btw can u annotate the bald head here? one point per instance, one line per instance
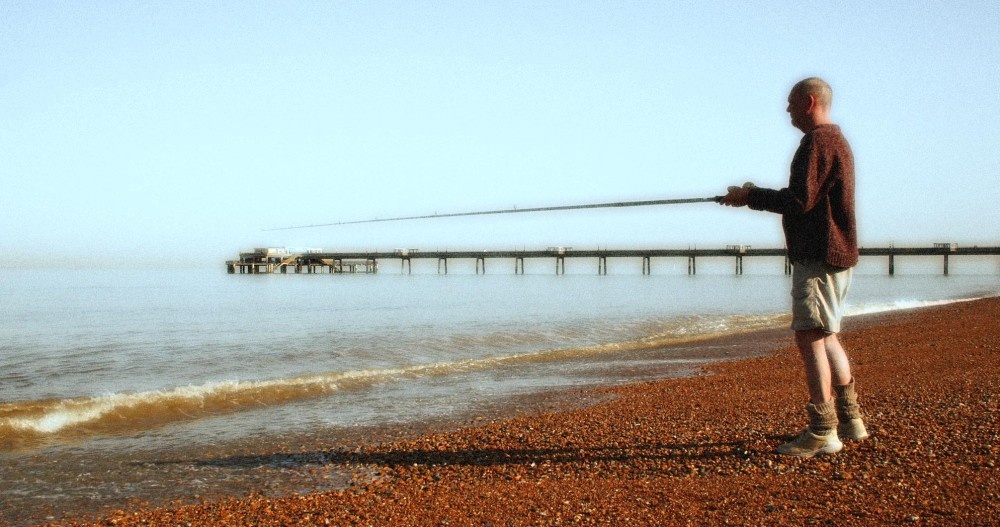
(816, 87)
(809, 104)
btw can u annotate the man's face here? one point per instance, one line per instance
(798, 108)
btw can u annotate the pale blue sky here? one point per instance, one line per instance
(179, 130)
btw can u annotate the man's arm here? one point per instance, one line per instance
(802, 194)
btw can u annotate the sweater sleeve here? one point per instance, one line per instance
(804, 183)
(769, 200)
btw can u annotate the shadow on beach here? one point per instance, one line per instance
(485, 457)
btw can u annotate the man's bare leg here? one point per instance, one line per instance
(850, 423)
(840, 367)
(815, 357)
(821, 435)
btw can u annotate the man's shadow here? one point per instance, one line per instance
(479, 457)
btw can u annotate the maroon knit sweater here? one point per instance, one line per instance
(817, 208)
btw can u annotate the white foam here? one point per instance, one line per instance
(59, 416)
(66, 414)
(900, 305)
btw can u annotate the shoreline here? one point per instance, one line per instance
(294, 462)
(685, 450)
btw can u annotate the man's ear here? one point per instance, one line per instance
(813, 104)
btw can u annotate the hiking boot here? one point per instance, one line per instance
(851, 425)
(810, 444)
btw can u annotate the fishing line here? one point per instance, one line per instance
(614, 204)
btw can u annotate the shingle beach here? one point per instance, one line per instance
(689, 451)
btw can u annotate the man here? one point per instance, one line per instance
(817, 210)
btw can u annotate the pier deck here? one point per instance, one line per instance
(279, 260)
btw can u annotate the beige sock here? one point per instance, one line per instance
(822, 417)
(847, 402)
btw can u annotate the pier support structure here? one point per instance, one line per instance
(273, 261)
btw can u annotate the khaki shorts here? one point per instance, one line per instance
(818, 294)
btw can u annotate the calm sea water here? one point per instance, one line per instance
(102, 363)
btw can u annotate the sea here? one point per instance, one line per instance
(129, 386)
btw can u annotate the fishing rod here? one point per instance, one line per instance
(716, 199)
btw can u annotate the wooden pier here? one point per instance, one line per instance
(312, 261)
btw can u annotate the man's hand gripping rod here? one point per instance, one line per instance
(716, 199)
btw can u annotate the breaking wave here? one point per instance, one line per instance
(30, 422)
(899, 305)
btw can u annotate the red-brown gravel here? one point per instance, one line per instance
(695, 451)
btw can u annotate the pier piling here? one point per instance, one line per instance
(282, 261)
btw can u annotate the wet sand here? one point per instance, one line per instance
(688, 451)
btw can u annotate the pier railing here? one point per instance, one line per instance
(281, 260)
